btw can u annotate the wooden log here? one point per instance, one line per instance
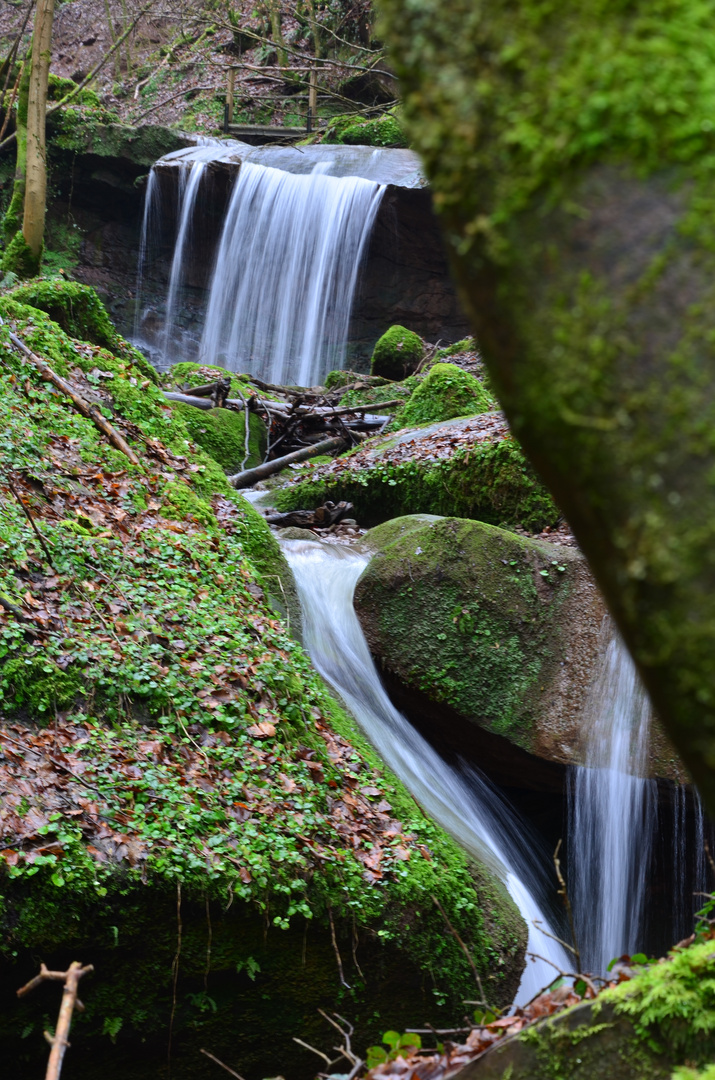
(90, 411)
(269, 468)
(322, 517)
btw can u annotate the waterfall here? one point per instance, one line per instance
(190, 177)
(612, 812)
(286, 271)
(461, 801)
(150, 222)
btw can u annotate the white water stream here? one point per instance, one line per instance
(286, 271)
(461, 801)
(612, 814)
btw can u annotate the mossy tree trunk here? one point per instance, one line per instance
(571, 151)
(13, 215)
(33, 222)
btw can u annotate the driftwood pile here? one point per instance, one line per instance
(301, 423)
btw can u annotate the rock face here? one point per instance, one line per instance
(489, 640)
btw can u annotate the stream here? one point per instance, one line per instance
(461, 800)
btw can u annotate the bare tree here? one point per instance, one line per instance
(33, 222)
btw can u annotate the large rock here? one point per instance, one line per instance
(570, 148)
(490, 640)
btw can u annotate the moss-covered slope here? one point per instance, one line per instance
(161, 730)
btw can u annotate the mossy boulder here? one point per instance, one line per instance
(657, 1026)
(19, 259)
(445, 392)
(570, 152)
(397, 353)
(470, 468)
(222, 434)
(501, 631)
(383, 130)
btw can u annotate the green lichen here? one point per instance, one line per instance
(445, 392)
(397, 353)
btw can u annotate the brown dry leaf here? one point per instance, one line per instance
(263, 730)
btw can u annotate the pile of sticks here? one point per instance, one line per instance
(301, 423)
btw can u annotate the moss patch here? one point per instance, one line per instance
(444, 393)
(397, 353)
(222, 434)
(381, 131)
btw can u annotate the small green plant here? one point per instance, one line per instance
(397, 1046)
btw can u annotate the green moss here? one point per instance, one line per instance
(467, 614)
(19, 259)
(383, 130)
(397, 353)
(221, 433)
(672, 1004)
(12, 220)
(491, 481)
(445, 392)
(185, 375)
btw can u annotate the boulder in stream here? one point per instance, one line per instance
(488, 640)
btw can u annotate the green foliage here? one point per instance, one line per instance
(397, 353)
(383, 130)
(72, 126)
(397, 1045)
(444, 393)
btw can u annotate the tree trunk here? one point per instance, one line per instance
(33, 223)
(13, 215)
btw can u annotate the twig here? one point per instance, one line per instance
(19, 615)
(337, 957)
(462, 946)
(563, 892)
(709, 854)
(167, 101)
(58, 1041)
(82, 406)
(320, 1053)
(546, 933)
(588, 979)
(30, 518)
(213, 1058)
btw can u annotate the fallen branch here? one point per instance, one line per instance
(463, 947)
(33, 524)
(323, 517)
(90, 411)
(269, 468)
(58, 1041)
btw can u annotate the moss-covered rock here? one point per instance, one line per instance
(397, 353)
(659, 1025)
(468, 468)
(500, 630)
(570, 151)
(445, 392)
(19, 259)
(222, 434)
(383, 130)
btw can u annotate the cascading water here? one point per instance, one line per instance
(150, 219)
(190, 179)
(286, 272)
(463, 803)
(612, 814)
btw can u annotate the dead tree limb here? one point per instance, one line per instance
(269, 468)
(90, 411)
(58, 1041)
(218, 1062)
